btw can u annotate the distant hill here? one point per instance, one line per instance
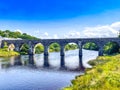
(16, 34)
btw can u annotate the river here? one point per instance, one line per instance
(18, 73)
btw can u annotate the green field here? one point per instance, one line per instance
(105, 75)
(4, 53)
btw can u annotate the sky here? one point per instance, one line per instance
(61, 18)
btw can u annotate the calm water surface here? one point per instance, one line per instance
(22, 73)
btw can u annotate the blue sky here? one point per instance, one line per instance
(57, 17)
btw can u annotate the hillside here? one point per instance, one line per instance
(16, 34)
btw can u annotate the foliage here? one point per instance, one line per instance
(70, 46)
(16, 34)
(103, 76)
(24, 49)
(26, 36)
(5, 46)
(4, 53)
(39, 49)
(90, 46)
(54, 47)
(111, 48)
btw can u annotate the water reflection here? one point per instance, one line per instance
(71, 60)
(24, 72)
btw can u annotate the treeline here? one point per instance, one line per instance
(16, 34)
(109, 48)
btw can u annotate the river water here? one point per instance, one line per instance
(22, 73)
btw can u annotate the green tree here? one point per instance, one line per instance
(16, 34)
(111, 48)
(71, 46)
(24, 49)
(90, 46)
(54, 47)
(5, 46)
(39, 49)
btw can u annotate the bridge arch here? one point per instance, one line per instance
(71, 60)
(54, 52)
(92, 50)
(38, 48)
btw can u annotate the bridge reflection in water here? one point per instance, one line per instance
(31, 61)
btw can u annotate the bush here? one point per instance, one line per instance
(5, 46)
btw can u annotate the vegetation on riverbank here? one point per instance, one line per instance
(105, 75)
(4, 53)
(7, 51)
(109, 48)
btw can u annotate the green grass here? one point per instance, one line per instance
(4, 53)
(105, 75)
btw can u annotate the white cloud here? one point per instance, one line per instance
(18, 30)
(46, 34)
(72, 34)
(101, 31)
(97, 31)
(55, 36)
(116, 25)
(88, 32)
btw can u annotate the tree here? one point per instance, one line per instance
(90, 46)
(16, 34)
(111, 48)
(39, 49)
(71, 46)
(5, 46)
(24, 49)
(54, 47)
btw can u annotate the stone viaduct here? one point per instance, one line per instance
(100, 42)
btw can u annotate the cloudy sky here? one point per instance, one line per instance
(61, 18)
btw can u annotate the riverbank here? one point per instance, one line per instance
(105, 75)
(4, 53)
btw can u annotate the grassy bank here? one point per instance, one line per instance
(105, 75)
(4, 53)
